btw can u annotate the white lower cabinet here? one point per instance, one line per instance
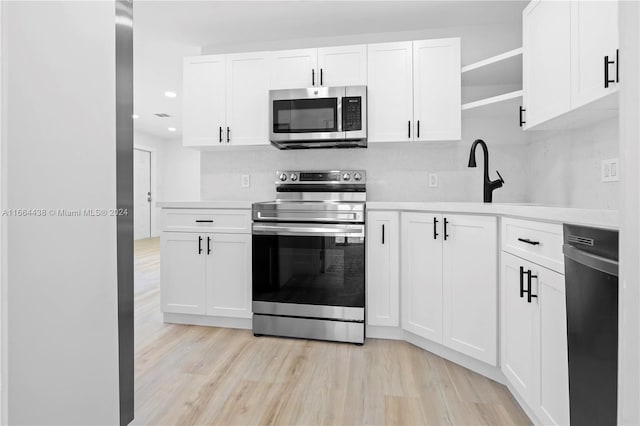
(206, 273)
(182, 271)
(383, 275)
(421, 275)
(552, 399)
(449, 281)
(229, 276)
(534, 337)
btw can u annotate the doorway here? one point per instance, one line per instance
(141, 194)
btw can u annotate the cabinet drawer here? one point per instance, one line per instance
(538, 242)
(234, 221)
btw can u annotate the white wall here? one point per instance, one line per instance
(60, 153)
(175, 173)
(629, 282)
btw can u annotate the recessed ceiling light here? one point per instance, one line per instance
(172, 129)
(135, 116)
(170, 94)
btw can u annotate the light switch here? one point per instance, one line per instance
(610, 170)
(245, 181)
(433, 180)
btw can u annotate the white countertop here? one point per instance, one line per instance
(204, 204)
(589, 217)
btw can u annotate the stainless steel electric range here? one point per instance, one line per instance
(309, 257)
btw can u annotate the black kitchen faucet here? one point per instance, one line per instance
(489, 185)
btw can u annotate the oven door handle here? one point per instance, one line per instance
(316, 230)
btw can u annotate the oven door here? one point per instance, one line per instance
(313, 114)
(309, 270)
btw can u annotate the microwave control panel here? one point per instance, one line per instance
(351, 113)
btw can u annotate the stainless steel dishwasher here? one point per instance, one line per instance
(591, 278)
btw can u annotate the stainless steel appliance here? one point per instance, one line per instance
(591, 278)
(309, 257)
(318, 117)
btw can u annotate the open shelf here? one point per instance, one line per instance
(502, 105)
(493, 86)
(503, 69)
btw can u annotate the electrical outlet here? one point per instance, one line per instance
(610, 170)
(433, 180)
(245, 181)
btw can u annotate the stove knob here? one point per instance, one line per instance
(357, 176)
(294, 177)
(283, 177)
(346, 176)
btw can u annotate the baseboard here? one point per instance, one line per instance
(241, 323)
(525, 407)
(380, 332)
(472, 364)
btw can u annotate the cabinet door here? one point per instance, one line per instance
(517, 329)
(594, 34)
(383, 257)
(546, 60)
(203, 114)
(470, 286)
(436, 89)
(229, 275)
(294, 69)
(182, 273)
(552, 400)
(390, 92)
(343, 65)
(422, 275)
(247, 99)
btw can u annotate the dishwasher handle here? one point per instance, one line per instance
(593, 261)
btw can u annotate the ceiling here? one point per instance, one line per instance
(166, 31)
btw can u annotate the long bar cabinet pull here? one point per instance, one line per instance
(208, 245)
(522, 281)
(199, 245)
(435, 228)
(529, 294)
(446, 222)
(382, 233)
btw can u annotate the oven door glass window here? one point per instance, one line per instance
(305, 115)
(314, 270)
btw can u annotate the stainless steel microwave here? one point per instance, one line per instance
(318, 117)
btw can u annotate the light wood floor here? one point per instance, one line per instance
(215, 376)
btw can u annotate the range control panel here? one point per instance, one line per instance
(320, 177)
(351, 113)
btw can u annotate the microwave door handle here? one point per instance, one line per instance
(339, 114)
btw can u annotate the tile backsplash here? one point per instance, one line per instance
(557, 168)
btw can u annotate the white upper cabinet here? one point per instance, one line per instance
(342, 66)
(247, 106)
(422, 275)
(471, 286)
(437, 89)
(204, 86)
(564, 49)
(383, 273)
(546, 60)
(594, 35)
(390, 91)
(294, 69)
